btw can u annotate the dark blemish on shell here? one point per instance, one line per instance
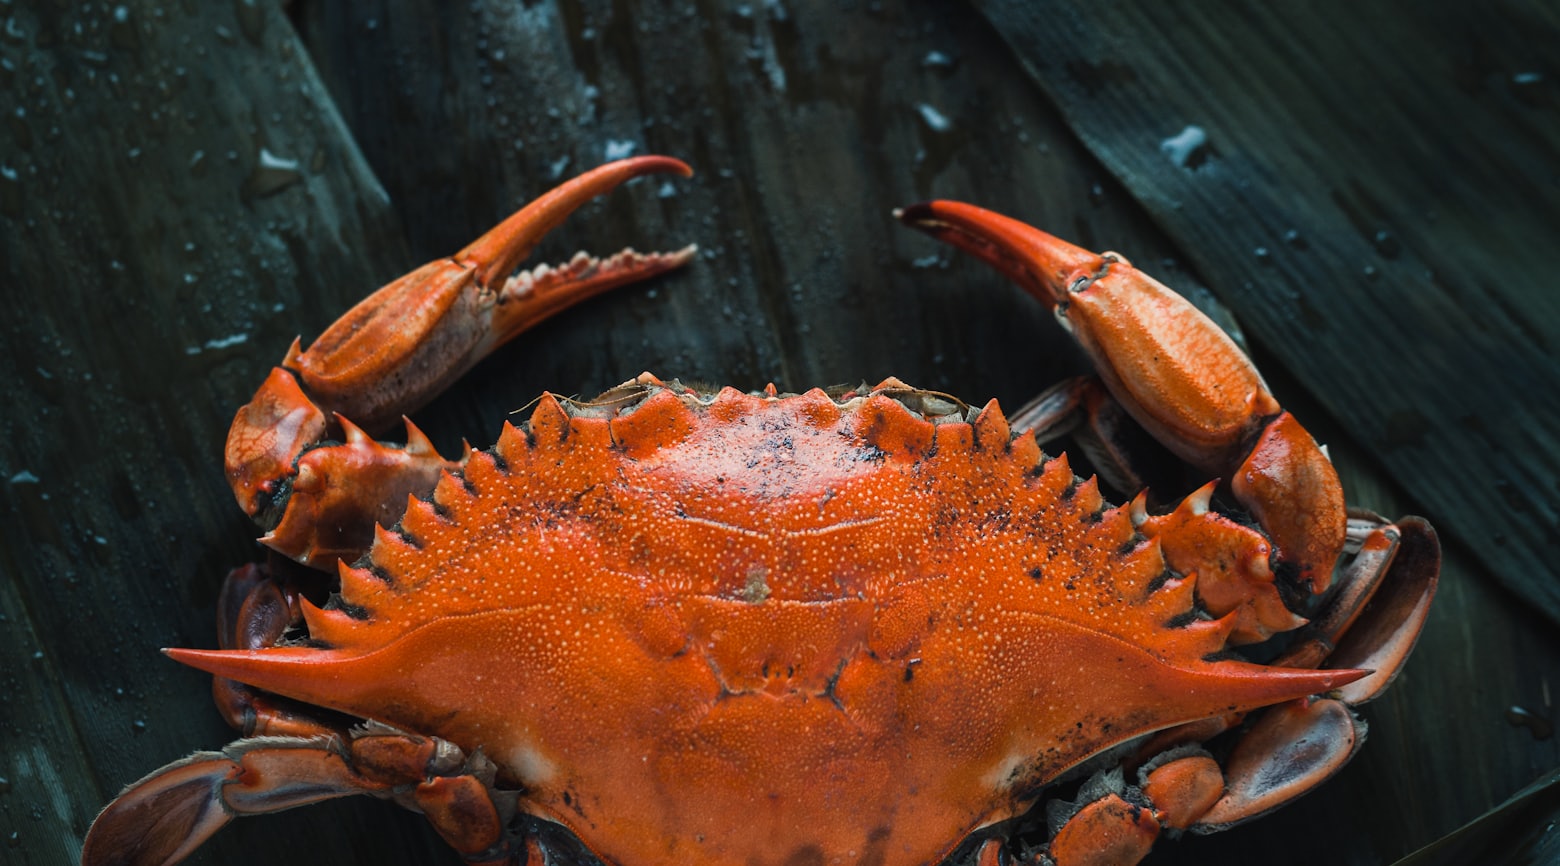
(806, 855)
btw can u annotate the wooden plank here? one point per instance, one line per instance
(171, 184)
(807, 124)
(1375, 187)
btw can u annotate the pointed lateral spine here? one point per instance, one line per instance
(549, 422)
(391, 553)
(991, 428)
(333, 627)
(425, 519)
(450, 494)
(417, 443)
(1211, 636)
(355, 434)
(512, 446)
(1087, 499)
(1026, 453)
(1176, 599)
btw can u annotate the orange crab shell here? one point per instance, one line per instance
(746, 628)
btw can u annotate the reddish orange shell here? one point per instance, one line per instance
(747, 629)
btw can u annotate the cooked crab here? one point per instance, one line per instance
(863, 627)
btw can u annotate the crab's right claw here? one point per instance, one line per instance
(1175, 372)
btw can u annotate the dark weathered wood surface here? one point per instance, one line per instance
(154, 267)
(1519, 830)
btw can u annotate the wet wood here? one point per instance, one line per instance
(183, 192)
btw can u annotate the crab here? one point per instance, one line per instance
(870, 626)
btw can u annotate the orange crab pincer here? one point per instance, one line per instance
(724, 629)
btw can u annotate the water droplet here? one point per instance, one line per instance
(1521, 717)
(19, 128)
(1188, 148)
(10, 191)
(935, 120)
(272, 174)
(939, 62)
(620, 149)
(1386, 244)
(1295, 240)
(1263, 256)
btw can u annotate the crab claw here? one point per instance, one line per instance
(1175, 372)
(405, 343)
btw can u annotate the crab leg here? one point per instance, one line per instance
(1175, 372)
(254, 611)
(1080, 407)
(161, 819)
(392, 353)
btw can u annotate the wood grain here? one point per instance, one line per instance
(156, 262)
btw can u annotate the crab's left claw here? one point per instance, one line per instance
(394, 352)
(1175, 372)
(405, 343)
